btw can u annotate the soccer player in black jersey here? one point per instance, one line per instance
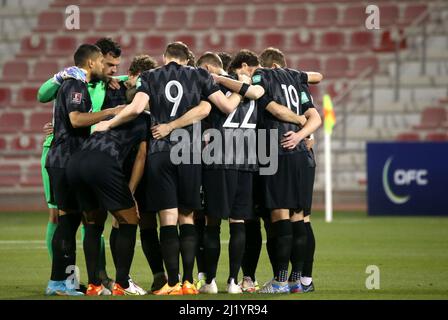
(172, 91)
(279, 87)
(228, 184)
(302, 256)
(96, 172)
(72, 121)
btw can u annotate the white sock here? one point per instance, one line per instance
(306, 280)
(201, 276)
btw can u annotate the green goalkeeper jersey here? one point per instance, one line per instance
(97, 91)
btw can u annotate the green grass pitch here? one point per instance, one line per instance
(411, 253)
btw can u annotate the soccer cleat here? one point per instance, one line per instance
(133, 287)
(108, 284)
(233, 288)
(247, 285)
(201, 280)
(189, 288)
(55, 288)
(101, 290)
(295, 286)
(210, 288)
(309, 288)
(160, 280)
(274, 286)
(175, 290)
(59, 288)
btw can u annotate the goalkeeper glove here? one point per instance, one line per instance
(69, 73)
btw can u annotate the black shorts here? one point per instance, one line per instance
(99, 182)
(62, 193)
(289, 187)
(172, 186)
(228, 194)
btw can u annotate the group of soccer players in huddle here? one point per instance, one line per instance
(114, 145)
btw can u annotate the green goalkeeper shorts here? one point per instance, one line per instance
(46, 178)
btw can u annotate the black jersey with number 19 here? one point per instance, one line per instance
(284, 86)
(173, 90)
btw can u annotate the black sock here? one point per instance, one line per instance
(187, 235)
(169, 244)
(151, 249)
(283, 229)
(64, 246)
(113, 243)
(237, 245)
(298, 250)
(200, 229)
(212, 249)
(310, 248)
(271, 243)
(92, 248)
(253, 248)
(125, 252)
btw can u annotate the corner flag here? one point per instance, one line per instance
(329, 116)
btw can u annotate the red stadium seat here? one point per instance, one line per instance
(354, 16)
(300, 42)
(387, 44)
(27, 97)
(204, 19)
(432, 117)
(388, 14)
(294, 17)
(188, 39)
(173, 19)
(309, 64)
(3, 144)
(122, 2)
(215, 42)
(154, 45)
(437, 136)
(9, 174)
(5, 97)
(360, 41)
(128, 44)
(32, 175)
(50, 21)
(96, 3)
(412, 12)
(244, 41)
(142, 20)
(86, 21)
(336, 67)
(264, 18)
(362, 63)
(11, 122)
(408, 137)
(234, 19)
(63, 46)
(273, 39)
(325, 17)
(24, 143)
(332, 42)
(43, 70)
(33, 46)
(38, 120)
(112, 20)
(15, 71)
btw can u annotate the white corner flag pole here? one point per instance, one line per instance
(328, 186)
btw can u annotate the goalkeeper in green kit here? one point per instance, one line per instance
(97, 90)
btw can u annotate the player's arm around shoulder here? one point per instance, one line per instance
(285, 114)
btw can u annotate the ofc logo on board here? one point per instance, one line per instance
(402, 177)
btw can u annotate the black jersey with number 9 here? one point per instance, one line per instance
(173, 90)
